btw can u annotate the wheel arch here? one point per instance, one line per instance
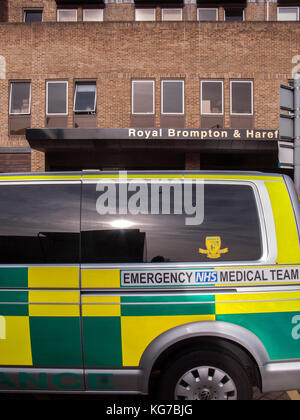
(235, 339)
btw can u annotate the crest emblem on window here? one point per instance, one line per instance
(213, 247)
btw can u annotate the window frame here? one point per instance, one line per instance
(145, 8)
(98, 9)
(171, 8)
(288, 7)
(252, 97)
(207, 8)
(86, 82)
(132, 96)
(67, 99)
(10, 97)
(32, 10)
(162, 96)
(211, 81)
(66, 10)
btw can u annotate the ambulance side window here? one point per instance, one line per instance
(229, 231)
(39, 223)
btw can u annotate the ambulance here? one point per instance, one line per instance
(181, 285)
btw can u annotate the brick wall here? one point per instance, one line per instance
(115, 53)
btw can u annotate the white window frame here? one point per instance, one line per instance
(212, 113)
(95, 102)
(66, 10)
(162, 97)
(252, 95)
(67, 102)
(32, 10)
(132, 97)
(10, 96)
(286, 7)
(83, 15)
(233, 8)
(146, 8)
(207, 8)
(171, 8)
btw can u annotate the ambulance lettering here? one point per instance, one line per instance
(206, 276)
(296, 329)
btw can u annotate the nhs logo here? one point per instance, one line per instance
(206, 276)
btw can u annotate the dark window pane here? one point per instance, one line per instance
(33, 16)
(20, 98)
(230, 214)
(241, 97)
(234, 14)
(57, 98)
(85, 97)
(211, 98)
(172, 97)
(142, 97)
(207, 14)
(39, 224)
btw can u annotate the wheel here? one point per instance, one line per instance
(205, 375)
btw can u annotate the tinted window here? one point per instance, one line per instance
(234, 14)
(39, 224)
(85, 97)
(172, 97)
(207, 14)
(19, 98)
(241, 98)
(142, 97)
(211, 97)
(57, 98)
(33, 15)
(230, 224)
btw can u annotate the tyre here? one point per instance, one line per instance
(205, 375)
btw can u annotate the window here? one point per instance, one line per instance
(172, 97)
(67, 15)
(171, 14)
(33, 15)
(92, 15)
(142, 97)
(230, 212)
(207, 14)
(241, 94)
(287, 13)
(85, 97)
(57, 98)
(145, 14)
(20, 98)
(211, 97)
(234, 14)
(39, 224)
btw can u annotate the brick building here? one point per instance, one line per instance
(139, 84)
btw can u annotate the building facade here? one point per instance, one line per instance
(124, 84)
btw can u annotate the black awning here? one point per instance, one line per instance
(119, 139)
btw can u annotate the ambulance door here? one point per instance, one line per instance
(100, 283)
(39, 284)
